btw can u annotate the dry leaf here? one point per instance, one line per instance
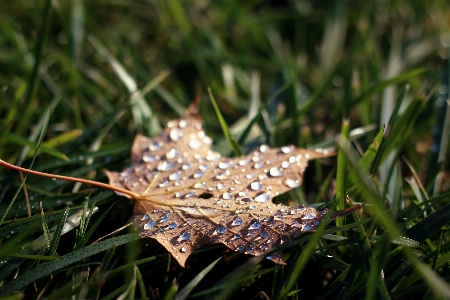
(190, 196)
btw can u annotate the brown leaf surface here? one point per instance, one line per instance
(190, 196)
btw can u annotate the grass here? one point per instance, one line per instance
(88, 76)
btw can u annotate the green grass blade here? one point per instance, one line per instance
(57, 234)
(48, 268)
(226, 130)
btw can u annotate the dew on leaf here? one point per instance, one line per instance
(172, 153)
(176, 135)
(149, 225)
(256, 224)
(237, 221)
(221, 229)
(292, 183)
(153, 146)
(256, 185)
(166, 166)
(276, 172)
(262, 197)
(184, 236)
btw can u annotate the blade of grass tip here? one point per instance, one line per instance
(41, 138)
(302, 260)
(341, 173)
(50, 267)
(142, 113)
(47, 235)
(226, 130)
(184, 292)
(55, 240)
(140, 280)
(171, 291)
(91, 230)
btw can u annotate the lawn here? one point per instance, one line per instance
(368, 80)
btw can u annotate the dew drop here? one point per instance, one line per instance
(257, 158)
(258, 165)
(237, 221)
(166, 166)
(183, 124)
(264, 234)
(292, 160)
(165, 219)
(173, 225)
(213, 156)
(164, 183)
(240, 248)
(145, 217)
(243, 194)
(221, 229)
(292, 183)
(186, 167)
(227, 196)
(184, 236)
(178, 195)
(255, 225)
(264, 148)
(148, 158)
(207, 140)
(200, 185)
(195, 144)
(250, 176)
(287, 149)
(276, 172)
(224, 175)
(285, 165)
(307, 227)
(221, 186)
(203, 168)
(176, 135)
(153, 146)
(198, 174)
(149, 225)
(243, 162)
(175, 175)
(256, 185)
(225, 165)
(262, 197)
(183, 249)
(308, 217)
(172, 153)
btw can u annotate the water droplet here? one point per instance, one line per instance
(287, 149)
(164, 183)
(258, 165)
(166, 166)
(198, 174)
(308, 217)
(252, 207)
(145, 217)
(256, 185)
(148, 158)
(176, 135)
(221, 186)
(213, 156)
(172, 153)
(250, 176)
(240, 248)
(264, 234)
(173, 225)
(276, 172)
(175, 175)
(207, 140)
(292, 160)
(243, 194)
(183, 124)
(200, 185)
(184, 236)
(186, 167)
(264, 148)
(165, 219)
(183, 249)
(227, 196)
(307, 227)
(221, 229)
(178, 195)
(203, 168)
(153, 146)
(149, 225)
(243, 162)
(224, 175)
(195, 144)
(285, 165)
(237, 221)
(292, 183)
(225, 164)
(257, 158)
(262, 177)
(262, 197)
(256, 224)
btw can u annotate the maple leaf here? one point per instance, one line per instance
(188, 196)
